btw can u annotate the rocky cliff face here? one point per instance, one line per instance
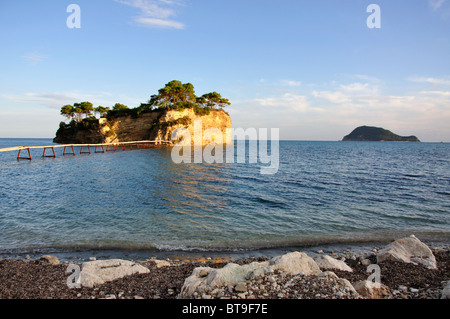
(148, 126)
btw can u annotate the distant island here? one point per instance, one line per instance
(377, 134)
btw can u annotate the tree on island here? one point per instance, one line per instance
(77, 110)
(178, 96)
(175, 95)
(119, 107)
(85, 108)
(101, 110)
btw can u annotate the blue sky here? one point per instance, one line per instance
(311, 68)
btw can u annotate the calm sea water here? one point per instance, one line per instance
(324, 192)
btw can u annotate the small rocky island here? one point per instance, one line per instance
(175, 106)
(377, 134)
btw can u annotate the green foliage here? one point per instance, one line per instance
(67, 111)
(185, 121)
(200, 111)
(85, 108)
(101, 110)
(119, 107)
(175, 95)
(178, 96)
(214, 99)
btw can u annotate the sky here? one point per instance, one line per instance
(312, 68)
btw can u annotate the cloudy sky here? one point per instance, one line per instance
(312, 68)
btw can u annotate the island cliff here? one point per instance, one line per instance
(175, 106)
(158, 124)
(377, 134)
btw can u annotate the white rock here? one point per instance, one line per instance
(347, 285)
(408, 250)
(445, 294)
(327, 262)
(232, 274)
(101, 271)
(295, 263)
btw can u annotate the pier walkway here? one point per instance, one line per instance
(49, 150)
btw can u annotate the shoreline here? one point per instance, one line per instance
(84, 254)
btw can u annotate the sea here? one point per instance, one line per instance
(140, 203)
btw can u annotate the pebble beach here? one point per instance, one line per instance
(46, 278)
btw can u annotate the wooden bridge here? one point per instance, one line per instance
(84, 148)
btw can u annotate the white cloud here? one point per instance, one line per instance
(436, 4)
(56, 100)
(155, 13)
(34, 58)
(287, 103)
(160, 23)
(432, 81)
(290, 83)
(441, 93)
(347, 93)
(333, 97)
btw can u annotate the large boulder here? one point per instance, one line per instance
(205, 279)
(326, 262)
(408, 250)
(101, 271)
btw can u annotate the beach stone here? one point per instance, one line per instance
(229, 275)
(408, 250)
(371, 290)
(294, 263)
(203, 273)
(101, 271)
(161, 263)
(347, 286)
(445, 294)
(328, 275)
(50, 259)
(240, 287)
(232, 274)
(365, 262)
(327, 262)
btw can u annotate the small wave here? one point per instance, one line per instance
(414, 175)
(271, 203)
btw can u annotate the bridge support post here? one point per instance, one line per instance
(102, 151)
(88, 152)
(21, 157)
(66, 153)
(53, 150)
